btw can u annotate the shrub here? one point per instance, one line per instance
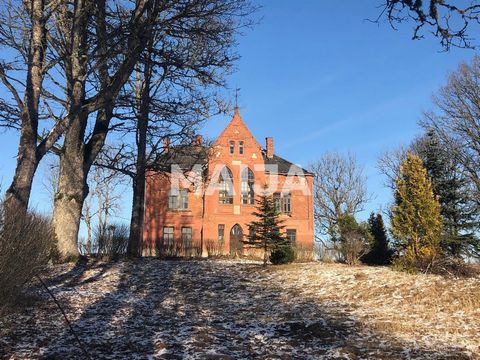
(177, 249)
(354, 239)
(112, 241)
(303, 253)
(214, 248)
(25, 247)
(282, 255)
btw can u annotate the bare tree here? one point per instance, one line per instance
(23, 30)
(65, 61)
(457, 118)
(116, 37)
(389, 164)
(173, 90)
(103, 41)
(390, 161)
(102, 202)
(454, 22)
(339, 190)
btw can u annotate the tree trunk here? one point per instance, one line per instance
(143, 103)
(18, 194)
(77, 156)
(72, 187)
(72, 191)
(136, 221)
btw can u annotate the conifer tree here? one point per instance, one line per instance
(380, 252)
(415, 218)
(450, 184)
(266, 231)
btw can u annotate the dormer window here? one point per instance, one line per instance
(232, 147)
(240, 147)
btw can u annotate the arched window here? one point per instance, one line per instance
(225, 184)
(247, 187)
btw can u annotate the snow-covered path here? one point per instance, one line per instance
(151, 309)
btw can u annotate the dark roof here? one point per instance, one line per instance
(282, 164)
(185, 156)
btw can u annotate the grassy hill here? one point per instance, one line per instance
(151, 309)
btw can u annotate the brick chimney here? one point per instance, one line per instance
(269, 147)
(166, 145)
(197, 141)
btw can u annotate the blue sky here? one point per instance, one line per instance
(317, 77)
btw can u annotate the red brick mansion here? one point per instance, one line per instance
(202, 201)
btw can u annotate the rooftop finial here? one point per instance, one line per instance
(236, 100)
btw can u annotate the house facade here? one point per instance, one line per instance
(202, 200)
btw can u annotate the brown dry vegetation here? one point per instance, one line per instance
(433, 309)
(238, 309)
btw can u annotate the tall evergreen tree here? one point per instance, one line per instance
(452, 187)
(415, 218)
(266, 231)
(380, 252)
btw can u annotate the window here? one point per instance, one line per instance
(178, 199)
(247, 187)
(183, 204)
(286, 204)
(277, 201)
(240, 147)
(282, 203)
(232, 147)
(221, 233)
(172, 200)
(292, 236)
(168, 236)
(225, 194)
(187, 237)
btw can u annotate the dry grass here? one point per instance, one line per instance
(238, 309)
(436, 309)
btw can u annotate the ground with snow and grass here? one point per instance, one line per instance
(154, 309)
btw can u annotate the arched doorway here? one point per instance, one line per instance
(236, 238)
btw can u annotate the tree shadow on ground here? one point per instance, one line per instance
(210, 310)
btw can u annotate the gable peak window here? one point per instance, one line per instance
(247, 187)
(240, 147)
(232, 147)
